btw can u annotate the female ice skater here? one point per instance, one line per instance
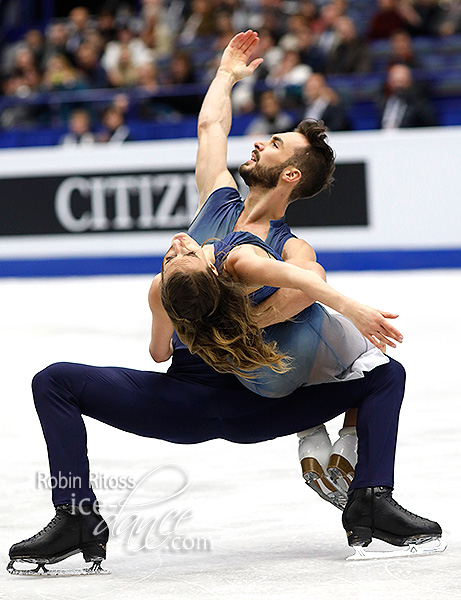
(204, 292)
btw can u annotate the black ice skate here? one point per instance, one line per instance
(373, 513)
(70, 531)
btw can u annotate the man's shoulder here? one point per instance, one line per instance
(226, 193)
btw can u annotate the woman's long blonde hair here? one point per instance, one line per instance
(214, 319)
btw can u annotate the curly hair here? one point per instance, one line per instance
(214, 319)
(317, 164)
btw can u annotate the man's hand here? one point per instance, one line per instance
(235, 57)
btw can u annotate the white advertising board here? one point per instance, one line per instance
(411, 185)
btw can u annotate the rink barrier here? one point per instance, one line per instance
(388, 260)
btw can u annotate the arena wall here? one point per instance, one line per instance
(112, 209)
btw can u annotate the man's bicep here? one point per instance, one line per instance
(296, 250)
(300, 253)
(211, 170)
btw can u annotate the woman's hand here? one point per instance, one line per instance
(235, 57)
(373, 324)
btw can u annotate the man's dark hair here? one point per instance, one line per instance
(317, 164)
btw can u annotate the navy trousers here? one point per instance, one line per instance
(191, 403)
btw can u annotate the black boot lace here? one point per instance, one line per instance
(54, 521)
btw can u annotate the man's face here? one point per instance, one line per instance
(270, 158)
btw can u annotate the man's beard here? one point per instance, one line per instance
(258, 176)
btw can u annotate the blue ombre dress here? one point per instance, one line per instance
(323, 347)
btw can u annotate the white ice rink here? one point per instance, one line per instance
(266, 535)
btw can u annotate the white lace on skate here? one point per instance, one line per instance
(422, 546)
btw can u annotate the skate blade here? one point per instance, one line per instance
(326, 489)
(432, 547)
(42, 571)
(341, 479)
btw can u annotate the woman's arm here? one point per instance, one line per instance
(257, 270)
(160, 347)
(287, 303)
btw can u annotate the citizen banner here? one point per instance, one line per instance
(149, 201)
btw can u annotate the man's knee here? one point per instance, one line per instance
(398, 372)
(45, 380)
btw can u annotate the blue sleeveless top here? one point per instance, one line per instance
(218, 217)
(238, 238)
(220, 213)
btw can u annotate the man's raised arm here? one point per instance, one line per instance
(215, 118)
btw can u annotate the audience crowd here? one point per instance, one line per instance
(167, 44)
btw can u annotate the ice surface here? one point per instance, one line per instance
(266, 534)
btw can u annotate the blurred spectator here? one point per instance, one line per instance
(243, 98)
(24, 61)
(239, 11)
(297, 24)
(125, 72)
(225, 30)
(404, 104)
(289, 72)
(148, 82)
(138, 51)
(182, 72)
(61, 75)
(79, 21)
(88, 64)
(56, 42)
(153, 107)
(324, 26)
(309, 52)
(268, 49)
(35, 42)
(450, 19)
(21, 84)
(168, 12)
(156, 34)
(390, 16)
(428, 14)
(349, 53)
(201, 23)
(402, 52)
(323, 103)
(115, 130)
(106, 25)
(308, 9)
(272, 118)
(181, 69)
(14, 116)
(148, 78)
(95, 39)
(79, 130)
(271, 18)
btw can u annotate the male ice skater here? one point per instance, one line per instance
(192, 403)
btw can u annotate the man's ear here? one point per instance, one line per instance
(291, 175)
